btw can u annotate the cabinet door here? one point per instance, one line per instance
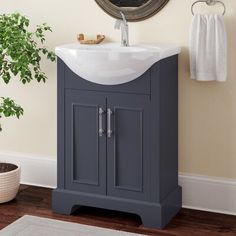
(85, 149)
(128, 146)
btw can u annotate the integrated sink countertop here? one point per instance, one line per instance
(112, 64)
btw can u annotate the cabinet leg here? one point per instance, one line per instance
(65, 208)
(150, 221)
(160, 215)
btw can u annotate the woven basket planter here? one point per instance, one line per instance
(9, 181)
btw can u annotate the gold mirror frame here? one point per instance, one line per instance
(141, 13)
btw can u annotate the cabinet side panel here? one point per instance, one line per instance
(169, 125)
(60, 124)
(155, 134)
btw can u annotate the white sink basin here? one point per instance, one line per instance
(111, 64)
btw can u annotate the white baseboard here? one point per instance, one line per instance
(199, 192)
(35, 169)
(208, 193)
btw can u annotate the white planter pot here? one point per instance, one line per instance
(9, 184)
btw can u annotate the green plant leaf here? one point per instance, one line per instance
(9, 108)
(21, 52)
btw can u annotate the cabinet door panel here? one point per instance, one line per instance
(85, 149)
(128, 158)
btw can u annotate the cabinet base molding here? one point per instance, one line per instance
(153, 215)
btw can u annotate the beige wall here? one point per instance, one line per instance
(207, 110)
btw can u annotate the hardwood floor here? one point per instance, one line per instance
(37, 201)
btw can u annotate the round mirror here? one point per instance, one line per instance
(134, 10)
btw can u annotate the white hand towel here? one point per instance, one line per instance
(208, 48)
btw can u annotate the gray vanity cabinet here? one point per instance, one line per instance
(118, 145)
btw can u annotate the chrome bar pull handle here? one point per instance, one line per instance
(101, 131)
(109, 130)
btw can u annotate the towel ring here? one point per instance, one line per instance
(209, 3)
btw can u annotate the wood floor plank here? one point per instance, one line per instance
(37, 201)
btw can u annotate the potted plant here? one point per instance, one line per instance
(20, 56)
